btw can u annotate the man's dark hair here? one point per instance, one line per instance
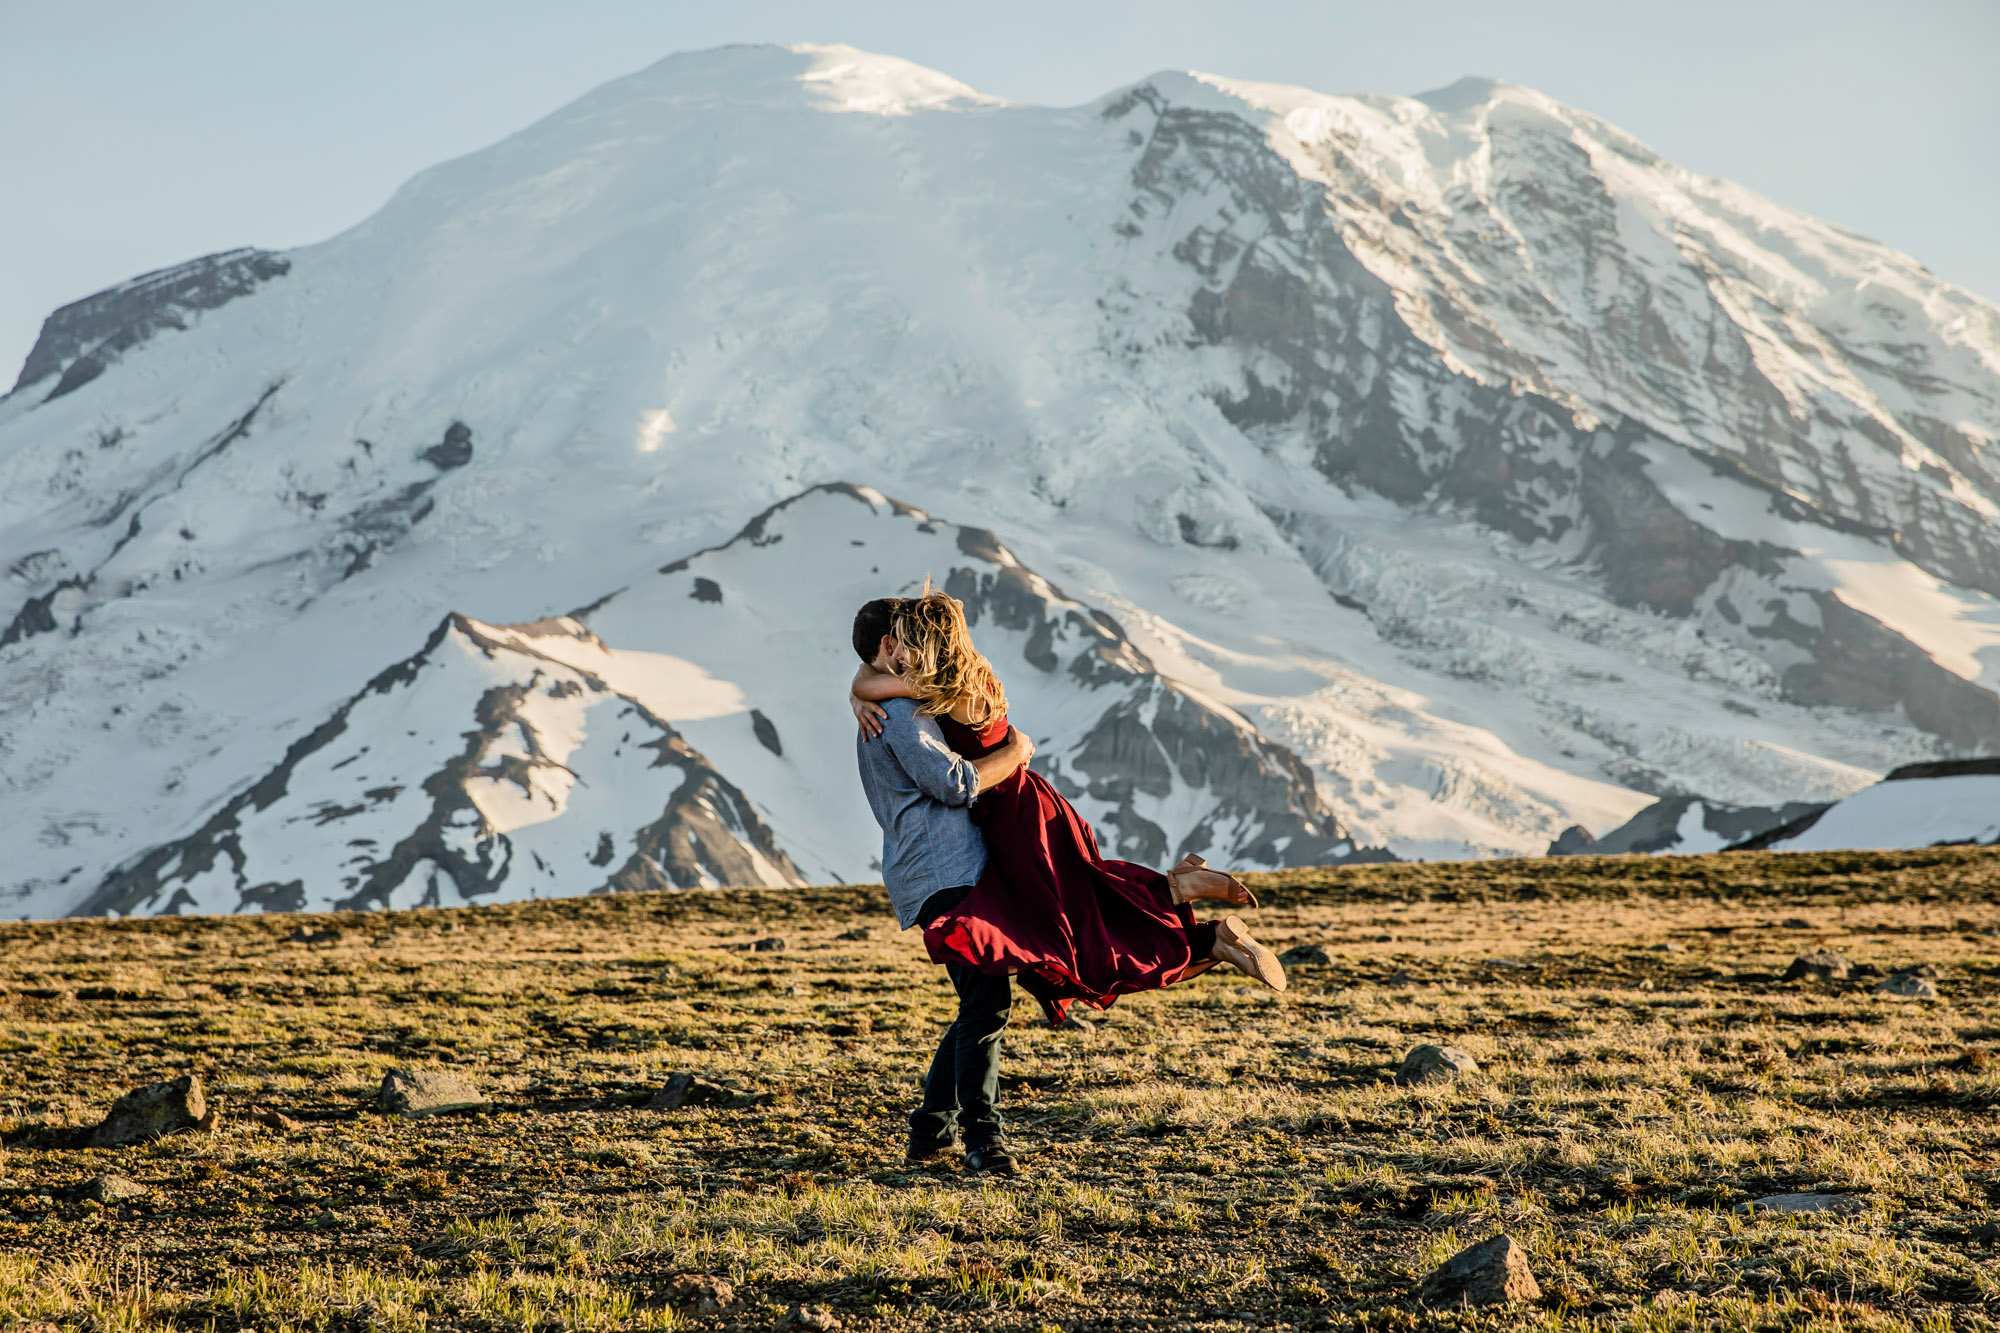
(871, 622)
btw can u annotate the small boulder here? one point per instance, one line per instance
(304, 936)
(149, 1112)
(857, 933)
(1909, 986)
(700, 1294)
(808, 1319)
(1493, 1272)
(109, 1188)
(1436, 1064)
(419, 1092)
(277, 1120)
(1824, 964)
(685, 1090)
(1306, 955)
(1838, 1204)
(769, 944)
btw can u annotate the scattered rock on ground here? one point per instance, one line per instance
(277, 1120)
(1805, 1203)
(1824, 964)
(420, 1092)
(857, 933)
(685, 1089)
(808, 1319)
(305, 936)
(1436, 1064)
(148, 1112)
(700, 1293)
(1909, 986)
(1670, 946)
(109, 1188)
(1077, 1023)
(769, 944)
(1306, 955)
(1493, 1272)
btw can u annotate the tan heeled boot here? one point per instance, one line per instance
(1235, 946)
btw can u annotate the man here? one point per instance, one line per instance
(920, 790)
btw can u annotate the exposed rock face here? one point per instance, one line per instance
(1493, 1272)
(151, 1111)
(1330, 349)
(360, 814)
(1436, 1064)
(1665, 826)
(79, 341)
(414, 1093)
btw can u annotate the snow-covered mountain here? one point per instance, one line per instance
(1935, 804)
(1458, 467)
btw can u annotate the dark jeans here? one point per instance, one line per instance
(963, 1087)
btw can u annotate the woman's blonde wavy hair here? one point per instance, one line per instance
(944, 670)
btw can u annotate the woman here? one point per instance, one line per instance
(1049, 908)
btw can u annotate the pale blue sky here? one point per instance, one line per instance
(138, 133)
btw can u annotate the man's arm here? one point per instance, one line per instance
(997, 767)
(940, 772)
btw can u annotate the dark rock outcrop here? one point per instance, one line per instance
(82, 339)
(1657, 827)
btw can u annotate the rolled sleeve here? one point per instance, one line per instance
(941, 772)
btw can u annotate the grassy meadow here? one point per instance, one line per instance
(1211, 1156)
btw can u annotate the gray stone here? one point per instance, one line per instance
(1493, 1272)
(149, 1112)
(1824, 964)
(808, 1319)
(1306, 955)
(109, 1188)
(1436, 1064)
(1839, 1204)
(419, 1092)
(769, 944)
(684, 1090)
(701, 1294)
(1909, 986)
(305, 936)
(857, 933)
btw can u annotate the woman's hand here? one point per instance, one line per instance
(868, 715)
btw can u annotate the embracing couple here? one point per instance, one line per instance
(1001, 872)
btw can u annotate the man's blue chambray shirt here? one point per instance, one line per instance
(920, 789)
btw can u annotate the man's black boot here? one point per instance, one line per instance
(922, 1150)
(992, 1159)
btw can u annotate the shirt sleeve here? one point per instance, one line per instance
(942, 773)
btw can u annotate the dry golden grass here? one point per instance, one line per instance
(1212, 1155)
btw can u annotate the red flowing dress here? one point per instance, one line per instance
(1053, 912)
